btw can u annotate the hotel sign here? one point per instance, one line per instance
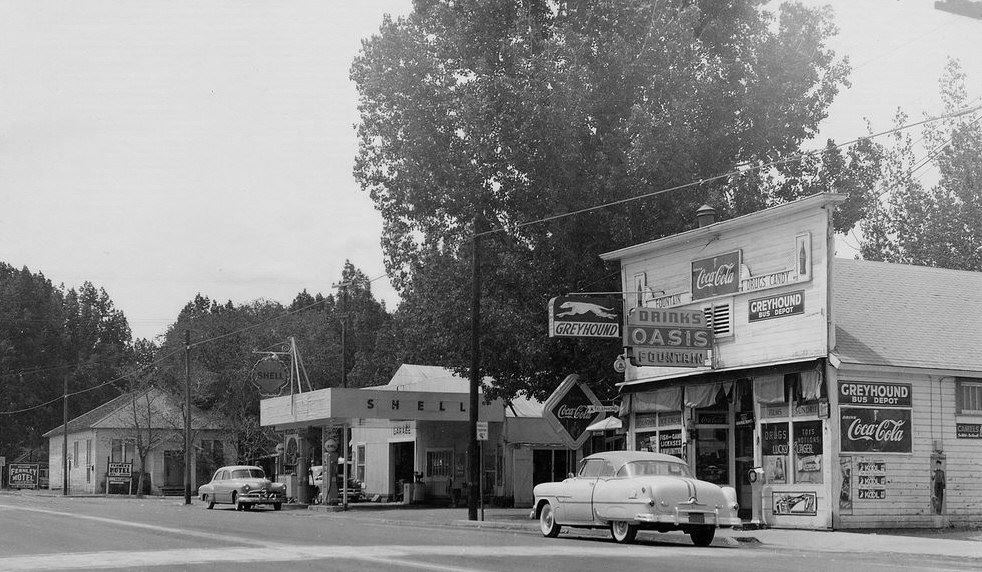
(716, 276)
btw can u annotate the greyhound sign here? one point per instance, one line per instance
(583, 317)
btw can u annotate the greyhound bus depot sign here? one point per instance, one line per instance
(582, 317)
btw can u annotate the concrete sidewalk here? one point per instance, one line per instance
(950, 543)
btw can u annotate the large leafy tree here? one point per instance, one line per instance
(516, 111)
(932, 224)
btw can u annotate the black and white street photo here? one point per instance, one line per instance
(491, 285)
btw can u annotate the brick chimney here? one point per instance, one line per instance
(706, 215)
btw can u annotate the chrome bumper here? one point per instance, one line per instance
(680, 517)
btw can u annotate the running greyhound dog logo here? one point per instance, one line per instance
(581, 308)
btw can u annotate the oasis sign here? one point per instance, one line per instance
(571, 409)
(670, 338)
(716, 276)
(875, 430)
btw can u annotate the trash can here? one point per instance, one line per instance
(407, 493)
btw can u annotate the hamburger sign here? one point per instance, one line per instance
(571, 409)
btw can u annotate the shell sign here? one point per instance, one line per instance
(270, 375)
(571, 409)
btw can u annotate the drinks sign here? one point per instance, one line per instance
(716, 276)
(875, 430)
(571, 409)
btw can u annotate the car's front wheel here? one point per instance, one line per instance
(547, 522)
(623, 531)
(211, 503)
(703, 536)
(277, 506)
(235, 501)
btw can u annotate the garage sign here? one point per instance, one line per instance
(571, 409)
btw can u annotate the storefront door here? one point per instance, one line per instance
(744, 462)
(713, 446)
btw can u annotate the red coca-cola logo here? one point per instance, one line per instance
(889, 430)
(715, 276)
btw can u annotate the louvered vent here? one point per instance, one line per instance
(720, 317)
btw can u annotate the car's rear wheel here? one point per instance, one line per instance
(703, 535)
(211, 504)
(547, 522)
(277, 506)
(623, 531)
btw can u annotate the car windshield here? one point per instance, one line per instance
(248, 474)
(649, 468)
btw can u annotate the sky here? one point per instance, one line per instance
(164, 148)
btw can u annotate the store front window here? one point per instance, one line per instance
(712, 437)
(792, 446)
(659, 433)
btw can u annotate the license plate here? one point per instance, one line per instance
(697, 518)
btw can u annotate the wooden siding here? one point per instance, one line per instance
(908, 476)
(765, 249)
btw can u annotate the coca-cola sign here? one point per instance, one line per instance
(875, 430)
(571, 409)
(716, 276)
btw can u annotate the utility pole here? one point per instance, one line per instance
(64, 442)
(343, 308)
(473, 455)
(187, 417)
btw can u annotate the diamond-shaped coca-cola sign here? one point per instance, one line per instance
(571, 409)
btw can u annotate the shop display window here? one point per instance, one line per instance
(792, 447)
(660, 433)
(439, 463)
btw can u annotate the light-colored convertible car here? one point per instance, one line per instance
(627, 491)
(243, 486)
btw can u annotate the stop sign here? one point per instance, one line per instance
(270, 375)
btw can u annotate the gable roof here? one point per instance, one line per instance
(904, 315)
(89, 419)
(106, 415)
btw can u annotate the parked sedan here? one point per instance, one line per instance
(244, 486)
(627, 491)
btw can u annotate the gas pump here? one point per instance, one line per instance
(756, 478)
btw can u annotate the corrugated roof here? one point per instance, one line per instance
(904, 315)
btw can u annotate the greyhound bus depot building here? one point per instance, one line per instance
(853, 389)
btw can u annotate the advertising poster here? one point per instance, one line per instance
(871, 479)
(795, 503)
(875, 430)
(845, 490)
(670, 443)
(774, 449)
(874, 394)
(807, 446)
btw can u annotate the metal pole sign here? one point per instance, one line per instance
(270, 375)
(482, 430)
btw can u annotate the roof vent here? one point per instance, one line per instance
(705, 216)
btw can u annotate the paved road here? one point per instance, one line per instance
(54, 533)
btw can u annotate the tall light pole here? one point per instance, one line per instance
(187, 417)
(64, 442)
